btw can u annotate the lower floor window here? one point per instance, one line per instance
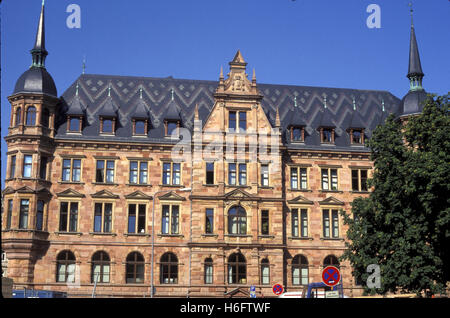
(65, 268)
(169, 269)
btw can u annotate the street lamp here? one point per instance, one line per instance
(153, 231)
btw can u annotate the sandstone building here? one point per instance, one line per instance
(95, 196)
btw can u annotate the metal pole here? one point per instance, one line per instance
(95, 285)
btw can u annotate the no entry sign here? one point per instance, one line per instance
(277, 289)
(331, 276)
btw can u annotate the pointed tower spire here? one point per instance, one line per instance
(415, 73)
(277, 119)
(196, 117)
(39, 52)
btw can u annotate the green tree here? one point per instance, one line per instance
(403, 226)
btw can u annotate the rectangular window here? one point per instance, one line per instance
(171, 172)
(265, 175)
(327, 175)
(9, 215)
(294, 177)
(170, 219)
(107, 125)
(171, 127)
(143, 172)
(326, 223)
(265, 222)
(208, 273)
(104, 171)
(210, 173)
(136, 218)
(103, 217)
(299, 178)
(232, 173)
(71, 170)
(327, 135)
(176, 173)
(209, 226)
(265, 274)
(23, 213)
(359, 180)
(39, 215)
(304, 222)
(242, 174)
(242, 121)
(27, 164)
(303, 178)
(68, 216)
(297, 134)
(294, 221)
(330, 223)
(12, 171)
(232, 121)
(138, 172)
(43, 168)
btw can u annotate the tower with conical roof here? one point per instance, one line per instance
(412, 103)
(30, 154)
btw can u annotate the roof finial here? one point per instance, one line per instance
(354, 103)
(295, 101)
(140, 92)
(109, 90)
(76, 91)
(171, 91)
(411, 10)
(325, 101)
(221, 73)
(84, 64)
(382, 104)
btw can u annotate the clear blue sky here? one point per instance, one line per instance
(303, 42)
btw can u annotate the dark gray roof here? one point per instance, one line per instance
(415, 67)
(141, 110)
(356, 122)
(173, 112)
(412, 103)
(156, 94)
(76, 107)
(36, 80)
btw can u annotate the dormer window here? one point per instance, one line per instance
(297, 133)
(139, 127)
(357, 136)
(327, 135)
(74, 124)
(107, 125)
(171, 126)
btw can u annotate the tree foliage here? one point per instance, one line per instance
(403, 226)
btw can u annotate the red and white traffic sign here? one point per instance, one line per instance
(277, 289)
(331, 276)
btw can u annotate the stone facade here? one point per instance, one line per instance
(33, 253)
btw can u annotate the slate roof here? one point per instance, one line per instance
(308, 108)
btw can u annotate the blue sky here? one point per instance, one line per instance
(302, 42)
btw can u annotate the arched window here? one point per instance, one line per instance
(237, 220)
(265, 272)
(31, 116)
(135, 268)
(18, 116)
(100, 267)
(299, 270)
(65, 267)
(331, 260)
(237, 269)
(45, 120)
(208, 271)
(169, 269)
